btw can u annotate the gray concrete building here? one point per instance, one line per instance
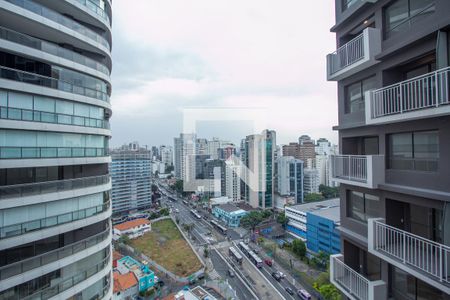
(392, 71)
(55, 208)
(131, 171)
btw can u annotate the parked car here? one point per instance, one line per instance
(276, 276)
(282, 275)
(304, 295)
(289, 290)
(268, 262)
(230, 273)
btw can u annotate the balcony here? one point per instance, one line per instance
(60, 19)
(360, 170)
(354, 56)
(420, 97)
(40, 224)
(50, 152)
(425, 259)
(352, 284)
(92, 6)
(38, 261)
(51, 48)
(52, 83)
(39, 188)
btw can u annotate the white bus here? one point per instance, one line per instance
(195, 214)
(235, 254)
(255, 259)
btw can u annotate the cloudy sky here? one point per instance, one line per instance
(262, 55)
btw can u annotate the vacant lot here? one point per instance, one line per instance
(165, 245)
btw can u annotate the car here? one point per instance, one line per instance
(276, 276)
(230, 273)
(282, 275)
(177, 210)
(268, 262)
(289, 290)
(304, 295)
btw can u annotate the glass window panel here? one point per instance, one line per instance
(19, 100)
(426, 292)
(417, 7)
(395, 14)
(44, 104)
(81, 110)
(354, 98)
(371, 206)
(356, 206)
(3, 98)
(400, 151)
(403, 284)
(64, 107)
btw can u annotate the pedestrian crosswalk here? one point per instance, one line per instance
(214, 275)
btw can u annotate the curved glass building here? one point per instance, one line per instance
(55, 208)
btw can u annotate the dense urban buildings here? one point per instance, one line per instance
(55, 64)
(392, 68)
(166, 155)
(131, 172)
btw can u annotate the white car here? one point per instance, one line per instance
(177, 210)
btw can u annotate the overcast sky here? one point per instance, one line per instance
(169, 55)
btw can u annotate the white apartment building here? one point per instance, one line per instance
(233, 181)
(185, 146)
(311, 181)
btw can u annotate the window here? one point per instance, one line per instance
(361, 206)
(417, 151)
(347, 3)
(354, 95)
(401, 14)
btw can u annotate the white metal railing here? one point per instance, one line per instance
(425, 91)
(348, 279)
(347, 54)
(425, 255)
(349, 167)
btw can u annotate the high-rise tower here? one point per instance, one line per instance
(55, 232)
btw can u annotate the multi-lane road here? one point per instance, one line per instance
(201, 233)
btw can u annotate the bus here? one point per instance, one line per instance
(220, 228)
(255, 259)
(172, 199)
(235, 254)
(244, 248)
(195, 214)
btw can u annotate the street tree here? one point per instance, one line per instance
(282, 219)
(313, 197)
(154, 188)
(251, 220)
(328, 192)
(299, 248)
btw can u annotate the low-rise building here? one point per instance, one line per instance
(132, 229)
(229, 213)
(213, 202)
(144, 276)
(196, 293)
(322, 230)
(125, 286)
(316, 223)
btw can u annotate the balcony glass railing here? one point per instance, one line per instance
(50, 82)
(31, 263)
(11, 113)
(30, 189)
(67, 283)
(30, 226)
(50, 48)
(96, 9)
(50, 152)
(426, 91)
(47, 13)
(411, 251)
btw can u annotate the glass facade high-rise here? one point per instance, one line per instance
(131, 173)
(55, 231)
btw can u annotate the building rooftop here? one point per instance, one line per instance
(131, 224)
(123, 282)
(332, 213)
(116, 255)
(314, 206)
(196, 293)
(230, 208)
(128, 264)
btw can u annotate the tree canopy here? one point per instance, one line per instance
(328, 192)
(313, 197)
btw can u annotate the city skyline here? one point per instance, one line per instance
(263, 60)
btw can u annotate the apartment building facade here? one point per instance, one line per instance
(55, 231)
(392, 71)
(131, 173)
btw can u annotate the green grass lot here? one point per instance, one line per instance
(165, 245)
